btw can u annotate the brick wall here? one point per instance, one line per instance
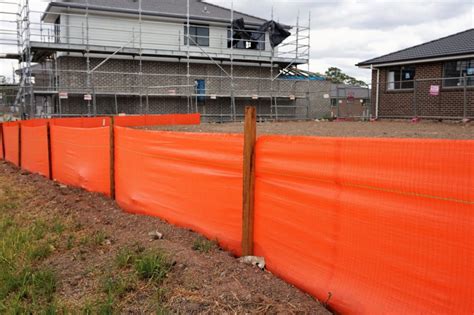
(418, 101)
(120, 78)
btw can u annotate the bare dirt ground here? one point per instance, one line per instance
(88, 233)
(378, 129)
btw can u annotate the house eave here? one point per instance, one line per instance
(413, 61)
(55, 8)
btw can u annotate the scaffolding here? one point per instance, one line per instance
(44, 38)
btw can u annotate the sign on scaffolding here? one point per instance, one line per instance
(63, 95)
(87, 97)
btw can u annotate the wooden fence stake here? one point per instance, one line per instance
(250, 136)
(50, 157)
(19, 144)
(3, 141)
(112, 158)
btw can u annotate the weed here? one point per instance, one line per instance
(204, 245)
(152, 266)
(70, 242)
(106, 307)
(118, 285)
(58, 227)
(39, 230)
(100, 307)
(125, 257)
(97, 239)
(41, 251)
(44, 283)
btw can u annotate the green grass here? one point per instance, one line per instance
(29, 286)
(97, 239)
(132, 266)
(152, 266)
(70, 242)
(204, 245)
(41, 251)
(25, 286)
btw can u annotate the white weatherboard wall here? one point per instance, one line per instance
(157, 35)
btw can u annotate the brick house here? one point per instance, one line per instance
(168, 56)
(430, 80)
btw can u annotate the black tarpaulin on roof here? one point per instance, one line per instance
(278, 32)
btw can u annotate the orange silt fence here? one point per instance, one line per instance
(34, 122)
(81, 122)
(156, 120)
(81, 157)
(34, 147)
(11, 135)
(382, 226)
(191, 180)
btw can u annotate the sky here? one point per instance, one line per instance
(345, 32)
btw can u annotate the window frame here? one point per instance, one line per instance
(463, 69)
(247, 44)
(198, 40)
(399, 83)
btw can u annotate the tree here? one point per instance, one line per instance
(337, 76)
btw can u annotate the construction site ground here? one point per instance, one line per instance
(64, 250)
(378, 129)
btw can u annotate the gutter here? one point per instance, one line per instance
(414, 61)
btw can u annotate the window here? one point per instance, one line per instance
(400, 78)
(255, 40)
(199, 35)
(57, 30)
(454, 72)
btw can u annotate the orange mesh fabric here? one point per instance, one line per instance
(82, 122)
(11, 140)
(34, 122)
(34, 149)
(156, 120)
(385, 225)
(81, 157)
(191, 180)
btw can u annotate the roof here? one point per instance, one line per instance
(453, 45)
(198, 9)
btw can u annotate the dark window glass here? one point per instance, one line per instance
(57, 30)
(400, 78)
(454, 72)
(257, 41)
(199, 35)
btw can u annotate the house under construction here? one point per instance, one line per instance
(101, 57)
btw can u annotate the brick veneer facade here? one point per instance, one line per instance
(122, 86)
(418, 101)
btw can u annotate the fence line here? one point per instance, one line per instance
(384, 225)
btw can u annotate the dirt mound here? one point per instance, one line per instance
(105, 259)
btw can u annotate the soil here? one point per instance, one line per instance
(377, 129)
(213, 282)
